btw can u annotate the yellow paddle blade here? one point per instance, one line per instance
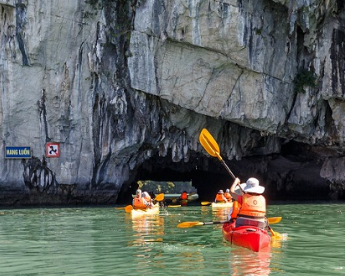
(275, 235)
(205, 203)
(159, 197)
(188, 224)
(174, 206)
(274, 220)
(209, 144)
(128, 208)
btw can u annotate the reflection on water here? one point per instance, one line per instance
(102, 241)
(148, 226)
(221, 213)
(244, 262)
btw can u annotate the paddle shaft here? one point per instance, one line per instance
(214, 222)
(228, 169)
(189, 224)
(271, 230)
(212, 147)
(230, 172)
(272, 220)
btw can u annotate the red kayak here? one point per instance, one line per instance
(250, 237)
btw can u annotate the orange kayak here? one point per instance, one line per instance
(250, 237)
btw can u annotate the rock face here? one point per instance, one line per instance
(125, 86)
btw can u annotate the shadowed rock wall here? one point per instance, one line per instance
(126, 86)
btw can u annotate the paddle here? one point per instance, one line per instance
(274, 220)
(159, 197)
(189, 224)
(205, 203)
(128, 208)
(174, 206)
(211, 146)
(274, 234)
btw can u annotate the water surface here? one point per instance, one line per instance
(106, 241)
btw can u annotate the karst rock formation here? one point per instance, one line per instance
(125, 87)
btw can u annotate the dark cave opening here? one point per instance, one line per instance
(203, 172)
(292, 175)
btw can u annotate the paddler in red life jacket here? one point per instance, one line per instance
(184, 195)
(139, 202)
(249, 207)
(228, 195)
(220, 198)
(184, 198)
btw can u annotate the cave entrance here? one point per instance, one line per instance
(204, 175)
(171, 189)
(292, 175)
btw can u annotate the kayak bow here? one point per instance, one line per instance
(135, 213)
(250, 237)
(216, 205)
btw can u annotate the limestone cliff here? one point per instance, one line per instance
(125, 86)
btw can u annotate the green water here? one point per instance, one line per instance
(106, 241)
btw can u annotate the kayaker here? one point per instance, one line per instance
(220, 198)
(148, 198)
(184, 198)
(184, 195)
(250, 205)
(228, 195)
(139, 202)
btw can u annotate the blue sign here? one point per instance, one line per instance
(18, 152)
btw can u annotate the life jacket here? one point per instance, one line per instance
(253, 207)
(220, 198)
(228, 196)
(139, 203)
(236, 206)
(184, 196)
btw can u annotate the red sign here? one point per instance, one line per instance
(53, 149)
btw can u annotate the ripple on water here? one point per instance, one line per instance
(101, 241)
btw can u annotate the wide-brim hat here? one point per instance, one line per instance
(251, 186)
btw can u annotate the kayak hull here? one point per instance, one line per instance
(250, 237)
(184, 202)
(135, 213)
(216, 205)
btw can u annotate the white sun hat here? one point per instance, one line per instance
(251, 186)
